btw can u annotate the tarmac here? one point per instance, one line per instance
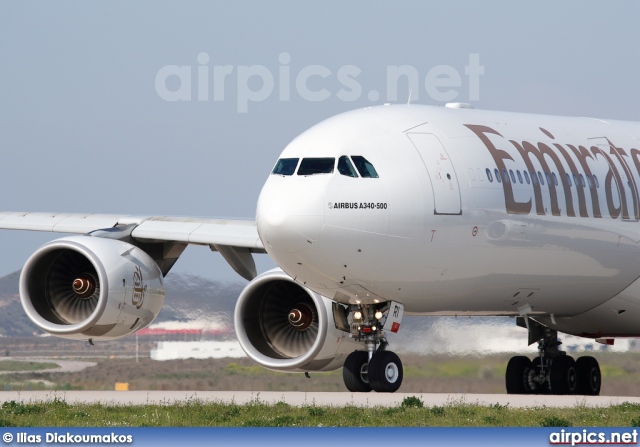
(335, 399)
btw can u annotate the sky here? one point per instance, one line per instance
(182, 108)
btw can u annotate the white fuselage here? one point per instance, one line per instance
(437, 231)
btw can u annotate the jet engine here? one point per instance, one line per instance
(284, 326)
(90, 288)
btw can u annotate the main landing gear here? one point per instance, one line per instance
(376, 368)
(553, 371)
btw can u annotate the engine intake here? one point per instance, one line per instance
(84, 287)
(286, 327)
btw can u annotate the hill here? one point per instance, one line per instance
(197, 302)
(188, 298)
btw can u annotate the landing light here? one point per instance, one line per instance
(357, 315)
(378, 315)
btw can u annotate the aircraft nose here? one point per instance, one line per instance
(289, 217)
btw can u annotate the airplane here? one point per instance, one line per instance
(378, 213)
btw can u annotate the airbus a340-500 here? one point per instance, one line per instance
(383, 212)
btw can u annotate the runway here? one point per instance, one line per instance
(335, 399)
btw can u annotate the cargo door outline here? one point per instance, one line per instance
(442, 175)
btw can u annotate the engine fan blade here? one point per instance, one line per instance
(286, 337)
(72, 287)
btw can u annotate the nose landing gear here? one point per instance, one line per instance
(376, 368)
(383, 373)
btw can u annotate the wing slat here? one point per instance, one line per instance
(200, 231)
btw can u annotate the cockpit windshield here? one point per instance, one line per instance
(285, 166)
(345, 167)
(313, 166)
(349, 166)
(365, 168)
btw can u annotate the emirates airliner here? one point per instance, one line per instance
(378, 213)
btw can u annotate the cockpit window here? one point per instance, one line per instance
(345, 167)
(313, 166)
(365, 168)
(285, 166)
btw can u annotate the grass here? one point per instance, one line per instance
(18, 365)
(411, 413)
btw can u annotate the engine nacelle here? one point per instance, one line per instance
(284, 326)
(85, 287)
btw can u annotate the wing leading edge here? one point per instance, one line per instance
(236, 240)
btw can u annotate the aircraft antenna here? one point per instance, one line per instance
(409, 100)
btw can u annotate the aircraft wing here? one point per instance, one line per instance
(234, 239)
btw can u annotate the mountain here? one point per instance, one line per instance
(195, 301)
(13, 320)
(191, 297)
(187, 298)
(198, 302)
(9, 284)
